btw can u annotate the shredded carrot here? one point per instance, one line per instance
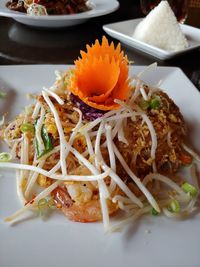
(185, 159)
(101, 76)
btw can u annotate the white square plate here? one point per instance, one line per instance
(124, 30)
(59, 242)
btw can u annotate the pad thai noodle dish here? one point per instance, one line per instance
(100, 145)
(49, 7)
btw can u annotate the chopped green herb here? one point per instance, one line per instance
(144, 104)
(154, 212)
(174, 206)
(188, 188)
(27, 127)
(155, 102)
(51, 203)
(42, 203)
(48, 144)
(4, 157)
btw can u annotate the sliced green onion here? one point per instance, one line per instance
(27, 127)
(155, 102)
(154, 212)
(2, 94)
(42, 203)
(174, 206)
(188, 188)
(51, 203)
(144, 104)
(4, 157)
(48, 143)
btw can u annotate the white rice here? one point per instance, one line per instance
(161, 29)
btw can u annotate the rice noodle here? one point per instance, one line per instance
(19, 188)
(60, 177)
(24, 156)
(151, 66)
(110, 147)
(121, 136)
(111, 155)
(36, 110)
(165, 180)
(150, 127)
(114, 131)
(125, 207)
(14, 147)
(141, 186)
(130, 219)
(153, 135)
(103, 190)
(78, 125)
(55, 168)
(122, 185)
(116, 128)
(191, 205)
(113, 175)
(33, 179)
(54, 150)
(38, 129)
(173, 215)
(12, 124)
(99, 159)
(123, 199)
(94, 123)
(118, 117)
(29, 205)
(54, 95)
(26, 150)
(143, 93)
(60, 131)
(89, 144)
(73, 135)
(136, 92)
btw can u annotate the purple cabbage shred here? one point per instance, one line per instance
(89, 113)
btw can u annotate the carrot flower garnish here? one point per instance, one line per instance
(101, 76)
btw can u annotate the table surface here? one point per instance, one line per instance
(20, 44)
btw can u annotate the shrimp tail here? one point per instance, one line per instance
(80, 212)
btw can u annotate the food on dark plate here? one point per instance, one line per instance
(49, 7)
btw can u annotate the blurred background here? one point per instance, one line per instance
(21, 44)
(51, 46)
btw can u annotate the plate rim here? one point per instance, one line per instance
(175, 68)
(157, 52)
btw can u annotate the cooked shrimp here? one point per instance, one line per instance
(80, 212)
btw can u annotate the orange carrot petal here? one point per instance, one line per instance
(101, 75)
(98, 78)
